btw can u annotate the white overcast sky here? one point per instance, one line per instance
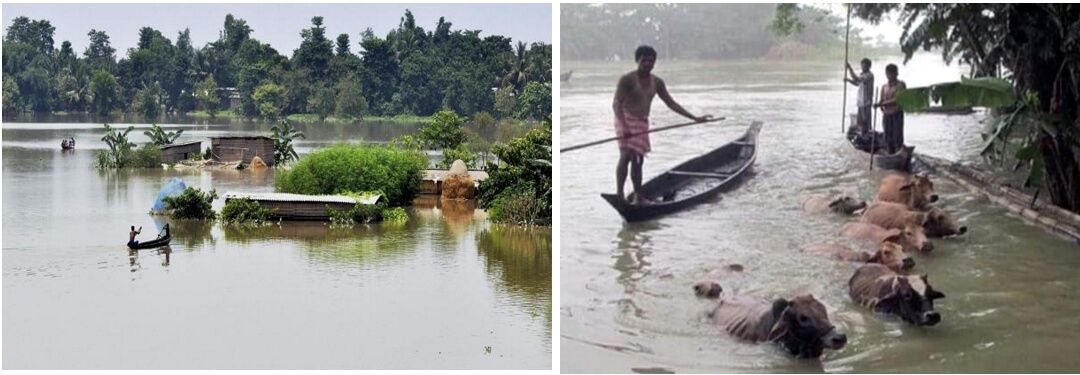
(277, 24)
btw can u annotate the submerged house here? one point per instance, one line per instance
(243, 148)
(173, 153)
(303, 207)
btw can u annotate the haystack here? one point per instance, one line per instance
(257, 163)
(458, 185)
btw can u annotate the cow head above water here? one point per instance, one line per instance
(912, 299)
(912, 238)
(846, 205)
(891, 254)
(802, 326)
(940, 224)
(920, 191)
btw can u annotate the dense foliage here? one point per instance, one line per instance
(409, 70)
(191, 204)
(348, 168)
(518, 189)
(245, 210)
(691, 31)
(1032, 46)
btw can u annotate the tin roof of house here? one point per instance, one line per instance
(285, 197)
(163, 147)
(243, 137)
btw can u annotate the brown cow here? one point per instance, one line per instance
(908, 296)
(842, 204)
(915, 191)
(936, 221)
(911, 238)
(799, 325)
(889, 254)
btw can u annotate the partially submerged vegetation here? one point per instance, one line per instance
(244, 210)
(121, 153)
(347, 168)
(193, 203)
(518, 188)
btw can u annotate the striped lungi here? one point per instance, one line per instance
(637, 144)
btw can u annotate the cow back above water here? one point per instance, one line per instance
(935, 221)
(909, 297)
(799, 325)
(820, 204)
(889, 254)
(912, 238)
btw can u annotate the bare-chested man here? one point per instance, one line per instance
(132, 234)
(633, 99)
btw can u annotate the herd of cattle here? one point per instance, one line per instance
(897, 223)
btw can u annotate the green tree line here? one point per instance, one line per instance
(693, 31)
(409, 71)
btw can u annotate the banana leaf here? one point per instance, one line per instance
(977, 92)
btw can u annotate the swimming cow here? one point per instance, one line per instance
(911, 238)
(800, 325)
(909, 297)
(889, 254)
(915, 191)
(935, 221)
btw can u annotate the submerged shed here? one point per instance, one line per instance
(242, 148)
(302, 207)
(180, 151)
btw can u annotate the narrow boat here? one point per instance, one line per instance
(694, 181)
(965, 110)
(158, 242)
(875, 143)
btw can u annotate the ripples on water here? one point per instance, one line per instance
(626, 302)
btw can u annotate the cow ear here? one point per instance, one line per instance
(778, 307)
(875, 258)
(907, 186)
(935, 295)
(835, 202)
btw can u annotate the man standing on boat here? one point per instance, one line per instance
(633, 100)
(892, 116)
(865, 82)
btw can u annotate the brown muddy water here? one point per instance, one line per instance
(447, 290)
(626, 302)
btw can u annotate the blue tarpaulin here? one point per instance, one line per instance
(175, 187)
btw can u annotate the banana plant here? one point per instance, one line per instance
(283, 135)
(159, 137)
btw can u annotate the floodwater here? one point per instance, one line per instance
(626, 301)
(446, 290)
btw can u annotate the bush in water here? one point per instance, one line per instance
(191, 204)
(245, 211)
(347, 168)
(518, 189)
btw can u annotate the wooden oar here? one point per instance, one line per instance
(843, 116)
(662, 128)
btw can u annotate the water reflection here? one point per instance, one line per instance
(164, 253)
(521, 259)
(191, 234)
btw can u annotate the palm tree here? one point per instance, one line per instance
(519, 69)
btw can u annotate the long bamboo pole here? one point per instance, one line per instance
(662, 128)
(847, 33)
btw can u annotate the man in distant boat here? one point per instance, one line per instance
(865, 82)
(131, 236)
(633, 100)
(892, 115)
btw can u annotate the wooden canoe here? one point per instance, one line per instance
(158, 242)
(694, 181)
(875, 144)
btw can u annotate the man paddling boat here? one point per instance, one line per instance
(633, 100)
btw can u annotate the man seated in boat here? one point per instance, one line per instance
(633, 99)
(64, 143)
(131, 236)
(865, 99)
